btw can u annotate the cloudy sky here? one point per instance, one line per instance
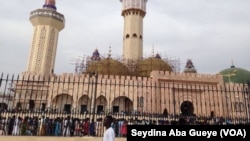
(212, 33)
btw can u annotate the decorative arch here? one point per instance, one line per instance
(62, 103)
(187, 108)
(101, 103)
(122, 104)
(84, 104)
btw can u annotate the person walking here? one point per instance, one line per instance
(109, 134)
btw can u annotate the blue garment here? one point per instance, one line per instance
(57, 129)
(92, 129)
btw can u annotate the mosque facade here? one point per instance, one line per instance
(133, 85)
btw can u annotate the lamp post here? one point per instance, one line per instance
(174, 112)
(95, 75)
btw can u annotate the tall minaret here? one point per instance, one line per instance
(133, 12)
(47, 23)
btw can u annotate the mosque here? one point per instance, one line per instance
(131, 84)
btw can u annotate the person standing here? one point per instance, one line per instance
(109, 134)
(2, 126)
(66, 128)
(42, 129)
(10, 124)
(115, 126)
(98, 127)
(124, 128)
(16, 128)
(92, 128)
(86, 127)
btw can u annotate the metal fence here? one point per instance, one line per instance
(31, 100)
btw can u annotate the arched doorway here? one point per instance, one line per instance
(31, 105)
(187, 108)
(62, 103)
(3, 106)
(122, 104)
(101, 103)
(84, 104)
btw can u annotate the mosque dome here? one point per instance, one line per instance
(107, 66)
(235, 75)
(145, 67)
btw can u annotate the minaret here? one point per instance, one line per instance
(47, 23)
(133, 12)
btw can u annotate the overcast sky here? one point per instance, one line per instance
(212, 33)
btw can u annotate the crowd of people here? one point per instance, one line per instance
(70, 126)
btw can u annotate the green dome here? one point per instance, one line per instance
(145, 67)
(235, 75)
(107, 67)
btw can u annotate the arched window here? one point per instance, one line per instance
(141, 101)
(19, 106)
(134, 35)
(127, 36)
(140, 36)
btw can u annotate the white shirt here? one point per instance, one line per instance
(109, 134)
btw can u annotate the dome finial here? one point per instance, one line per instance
(153, 51)
(50, 4)
(109, 55)
(232, 64)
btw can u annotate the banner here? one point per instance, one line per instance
(192, 132)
